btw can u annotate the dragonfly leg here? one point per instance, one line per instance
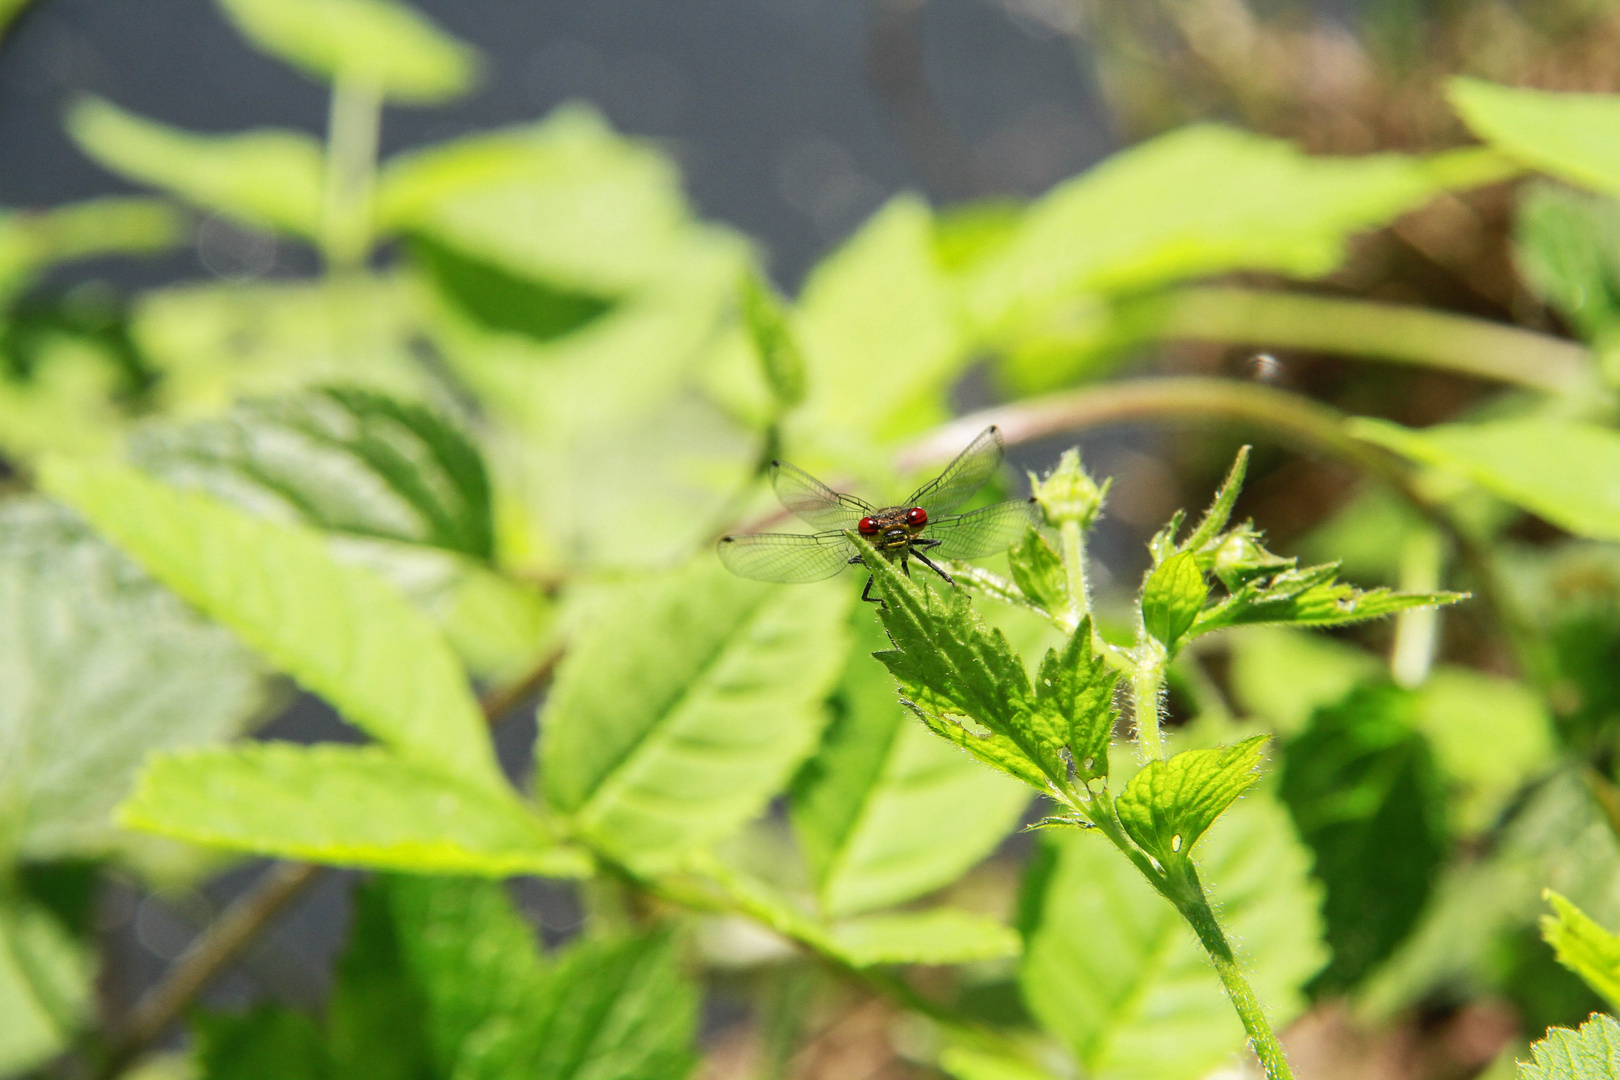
(926, 561)
(866, 593)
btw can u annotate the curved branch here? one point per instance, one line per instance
(1392, 332)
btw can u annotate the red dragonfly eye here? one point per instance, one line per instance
(867, 527)
(916, 516)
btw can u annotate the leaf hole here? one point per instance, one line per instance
(1175, 843)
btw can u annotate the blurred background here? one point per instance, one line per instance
(792, 123)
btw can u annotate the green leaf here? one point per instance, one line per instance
(880, 334)
(98, 666)
(765, 316)
(339, 630)
(266, 178)
(686, 705)
(1562, 470)
(268, 1043)
(1490, 736)
(1310, 596)
(1570, 136)
(347, 805)
(215, 344)
(1592, 1052)
(370, 42)
(867, 807)
(1076, 689)
(114, 225)
(1168, 804)
(1172, 598)
(1039, 572)
(568, 202)
(343, 459)
(1285, 675)
(45, 992)
(1220, 511)
(935, 936)
(1567, 245)
(1199, 201)
(500, 300)
(1583, 946)
(965, 1063)
(954, 667)
(1114, 972)
(1367, 798)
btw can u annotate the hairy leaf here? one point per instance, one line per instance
(1311, 596)
(345, 459)
(935, 936)
(1584, 947)
(99, 665)
(1364, 792)
(1038, 571)
(377, 43)
(341, 631)
(1591, 1052)
(868, 808)
(269, 179)
(1172, 598)
(1076, 689)
(684, 707)
(1168, 805)
(1114, 972)
(349, 805)
(1561, 469)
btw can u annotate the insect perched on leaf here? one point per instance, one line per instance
(922, 528)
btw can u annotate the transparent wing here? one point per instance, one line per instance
(982, 532)
(788, 558)
(813, 502)
(962, 477)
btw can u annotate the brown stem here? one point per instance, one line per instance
(204, 959)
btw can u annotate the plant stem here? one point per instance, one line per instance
(1190, 900)
(353, 127)
(1391, 332)
(1147, 687)
(1074, 562)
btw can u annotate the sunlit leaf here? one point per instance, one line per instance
(1567, 244)
(686, 705)
(1584, 947)
(377, 42)
(1168, 805)
(1490, 736)
(1202, 200)
(113, 225)
(1563, 470)
(348, 805)
(1038, 571)
(340, 630)
(1113, 971)
(867, 807)
(935, 936)
(99, 665)
(1591, 1052)
(566, 201)
(45, 991)
(880, 338)
(341, 458)
(264, 178)
(1172, 598)
(1284, 675)
(217, 343)
(1571, 136)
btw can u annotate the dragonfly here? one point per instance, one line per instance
(923, 527)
